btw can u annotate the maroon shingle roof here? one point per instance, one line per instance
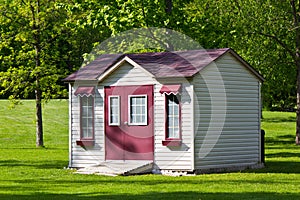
(160, 64)
(94, 69)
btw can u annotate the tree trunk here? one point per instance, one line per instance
(298, 103)
(38, 98)
(295, 13)
(35, 10)
(39, 119)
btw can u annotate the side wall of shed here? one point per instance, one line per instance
(227, 115)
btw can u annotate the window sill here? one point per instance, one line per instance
(172, 143)
(85, 143)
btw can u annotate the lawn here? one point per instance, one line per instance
(31, 173)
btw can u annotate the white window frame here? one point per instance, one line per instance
(175, 135)
(109, 111)
(146, 110)
(90, 116)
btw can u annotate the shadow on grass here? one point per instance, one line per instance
(283, 167)
(282, 155)
(157, 195)
(280, 140)
(279, 119)
(51, 164)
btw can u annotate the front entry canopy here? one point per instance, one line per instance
(170, 89)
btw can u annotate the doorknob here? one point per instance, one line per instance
(125, 123)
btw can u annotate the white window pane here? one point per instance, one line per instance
(138, 110)
(170, 130)
(173, 116)
(90, 122)
(139, 119)
(176, 121)
(170, 121)
(143, 118)
(176, 133)
(86, 116)
(133, 110)
(176, 109)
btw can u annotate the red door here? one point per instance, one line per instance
(129, 123)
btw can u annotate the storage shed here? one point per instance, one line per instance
(189, 111)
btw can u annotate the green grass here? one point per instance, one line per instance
(30, 173)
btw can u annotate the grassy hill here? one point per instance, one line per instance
(31, 173)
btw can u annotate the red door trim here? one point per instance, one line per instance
(130, 142)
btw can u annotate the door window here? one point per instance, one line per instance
(137, 110)
(114, 110)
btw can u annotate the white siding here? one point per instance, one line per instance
(164, 157)
(83, 157)
(227, 115)
(181, 157)
(126, 74)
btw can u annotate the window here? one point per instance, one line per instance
(173, 115)
(137, 106)
(87, 117)
(114, 110)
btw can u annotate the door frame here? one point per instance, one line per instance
(149, 113)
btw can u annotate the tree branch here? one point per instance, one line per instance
(296, 24)
(4, 13)
(281, 43)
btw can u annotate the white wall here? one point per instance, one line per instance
(83, 157)
(164, 157)
(181, 157)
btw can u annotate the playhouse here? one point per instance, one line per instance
(184, 111)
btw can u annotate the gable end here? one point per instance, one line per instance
(113, 68)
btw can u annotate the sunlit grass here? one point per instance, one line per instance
(34, 173)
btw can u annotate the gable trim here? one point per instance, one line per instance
(247, 65)
(118, 64)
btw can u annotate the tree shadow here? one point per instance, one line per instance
(157, 195)
(287, 139)
(282, 155)
(279, 119)
(50, 164)
(283, 167)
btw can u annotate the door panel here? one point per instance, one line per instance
(129, 123)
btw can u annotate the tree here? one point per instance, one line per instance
(30, 30)
(267, 34)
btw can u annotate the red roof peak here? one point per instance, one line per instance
(160, 64)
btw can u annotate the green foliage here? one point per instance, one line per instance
(262, 32)
(30, 26)
(30, 173)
